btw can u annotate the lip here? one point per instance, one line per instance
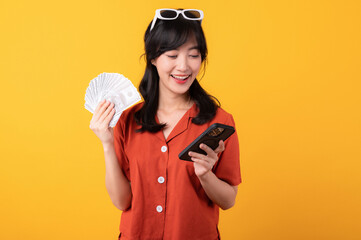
(180, 75)
(179, 80)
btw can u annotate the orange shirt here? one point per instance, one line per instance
(168, 200)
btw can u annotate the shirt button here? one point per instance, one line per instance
(164, 148)
(159, 208)
(161, 179)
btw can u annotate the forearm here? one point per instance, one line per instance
(116, 183)
(220, 192)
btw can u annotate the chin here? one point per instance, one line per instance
(182, 88)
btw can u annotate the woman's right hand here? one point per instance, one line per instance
(100, 122)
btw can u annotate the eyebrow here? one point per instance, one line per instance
(194, 47)
(191, 48)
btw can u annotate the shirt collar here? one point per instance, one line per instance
(182, 124)
(193, 111)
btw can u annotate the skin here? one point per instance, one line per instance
(174, 101)
(173, 96)
(116, 183)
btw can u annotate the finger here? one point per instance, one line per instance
(106, 113)
(198, 155)
(101, 109)
(220, 147)
(208, 150)
(98, 117)
(100, 104)
(200, 161)
(109, 117)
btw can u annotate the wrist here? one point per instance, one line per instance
(108, 146)
(205, 177)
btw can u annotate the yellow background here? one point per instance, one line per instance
(288, 71)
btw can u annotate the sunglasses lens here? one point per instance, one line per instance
(192, 14)
(168, 13)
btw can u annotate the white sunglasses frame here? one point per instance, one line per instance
(158, 16)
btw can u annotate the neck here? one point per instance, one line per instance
(171, 101)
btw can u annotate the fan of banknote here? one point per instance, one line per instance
(113, 87)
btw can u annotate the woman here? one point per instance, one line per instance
(161, 196)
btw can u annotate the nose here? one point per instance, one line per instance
(182, 63)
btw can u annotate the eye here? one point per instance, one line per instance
(194, 56)
(172, 56)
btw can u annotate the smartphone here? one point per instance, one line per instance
(211, 137)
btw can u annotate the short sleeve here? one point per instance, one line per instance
(119, 141)
(227, 168)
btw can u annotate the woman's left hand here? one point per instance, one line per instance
(204, 163)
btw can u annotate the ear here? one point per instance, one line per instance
(153, 62)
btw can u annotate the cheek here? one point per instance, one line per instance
(197, 65)
(164, 67)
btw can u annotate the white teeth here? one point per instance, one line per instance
(182, 78)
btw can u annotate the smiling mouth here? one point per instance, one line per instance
(180, 78)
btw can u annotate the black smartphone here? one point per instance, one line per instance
(211, 137)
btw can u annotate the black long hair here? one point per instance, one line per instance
(168, 35)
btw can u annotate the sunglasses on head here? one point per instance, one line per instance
(171, 14)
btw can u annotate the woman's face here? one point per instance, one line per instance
(178, 68)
